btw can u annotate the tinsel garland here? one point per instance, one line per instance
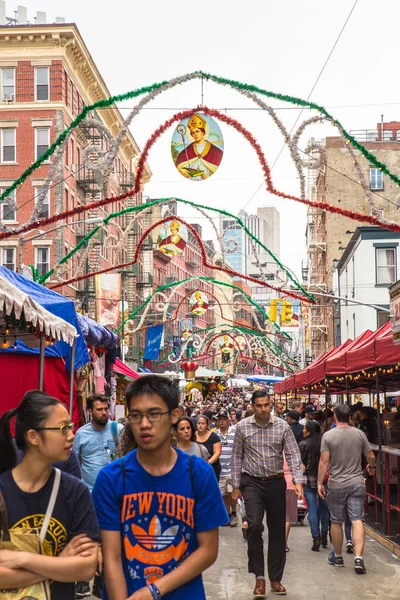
(209, 342)
(205, 261)
(245, 330)
(140, 208)
(241, 87)
(374, 220)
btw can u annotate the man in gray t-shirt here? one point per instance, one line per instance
(341, 450)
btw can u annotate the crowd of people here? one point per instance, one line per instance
(145, 497)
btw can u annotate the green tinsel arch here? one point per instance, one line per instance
(106, 102)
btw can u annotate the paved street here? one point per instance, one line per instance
(307, 574)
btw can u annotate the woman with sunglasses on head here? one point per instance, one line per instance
(70, 546)
(211, 442)
(186, 435)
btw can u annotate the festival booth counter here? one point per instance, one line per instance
(22, 361)
(370, 364)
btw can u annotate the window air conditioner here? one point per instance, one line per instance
(8, 97)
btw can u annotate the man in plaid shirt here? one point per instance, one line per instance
(258, 475)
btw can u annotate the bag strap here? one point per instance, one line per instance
(4, 519)
(114, 429)
(201, 450)
(50, 506)
(191, 475)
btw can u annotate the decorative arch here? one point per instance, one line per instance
(141, 209)
(175, 286)
(372, 219)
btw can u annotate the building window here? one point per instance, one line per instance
(42, 259)
(42, 83)
(8, 209)
(375, 179)
(8, 258)
(45, 210)
(385, 265)
(382, 317)
(66, 203)
(8, 145)
(7, 84)
(42, 140)
(71, 96)
(72, 157)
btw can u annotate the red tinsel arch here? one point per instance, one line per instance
(253, 142)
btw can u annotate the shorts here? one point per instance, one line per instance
(346, 501)
(225, 485)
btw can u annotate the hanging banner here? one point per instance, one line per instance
(108, 299)
(153, 342)
(197, 147)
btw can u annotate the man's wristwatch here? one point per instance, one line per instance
(372, 467)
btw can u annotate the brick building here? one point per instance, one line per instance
(328, 234)
(47, 76)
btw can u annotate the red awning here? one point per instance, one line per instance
(122, 369)
(363, 357)
(337, 364)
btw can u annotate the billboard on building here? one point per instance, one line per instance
(108, 299)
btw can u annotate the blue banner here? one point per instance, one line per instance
(153, 342)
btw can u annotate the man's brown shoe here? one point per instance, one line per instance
(278, 588)
(259, 590)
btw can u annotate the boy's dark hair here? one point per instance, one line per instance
(259, 394)
(342, 413)
(153, 385)
(95, 398)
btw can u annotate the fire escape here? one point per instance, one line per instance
(317, 267)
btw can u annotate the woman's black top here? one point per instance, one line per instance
(209, 444)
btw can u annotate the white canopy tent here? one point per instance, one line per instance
(16, 302)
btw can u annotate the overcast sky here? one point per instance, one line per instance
(279, 46)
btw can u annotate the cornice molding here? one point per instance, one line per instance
(64, 42)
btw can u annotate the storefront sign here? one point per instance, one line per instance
(394, 292)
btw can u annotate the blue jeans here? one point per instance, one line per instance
(317, 512)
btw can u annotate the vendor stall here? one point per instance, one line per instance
(21, 316)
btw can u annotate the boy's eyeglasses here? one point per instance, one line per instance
(151, 417)
(63, 428)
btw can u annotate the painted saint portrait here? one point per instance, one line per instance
(186, 328)
(241, 342)
(197, 147)
(198, 303)
(172, 238)
(226, 347)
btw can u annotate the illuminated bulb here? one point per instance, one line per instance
(5, 344)
(7, 331)
(15, 344)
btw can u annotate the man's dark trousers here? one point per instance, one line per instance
(265, 496)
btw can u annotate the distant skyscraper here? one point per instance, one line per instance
(265, 226)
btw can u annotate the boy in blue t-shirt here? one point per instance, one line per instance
(158, 509)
